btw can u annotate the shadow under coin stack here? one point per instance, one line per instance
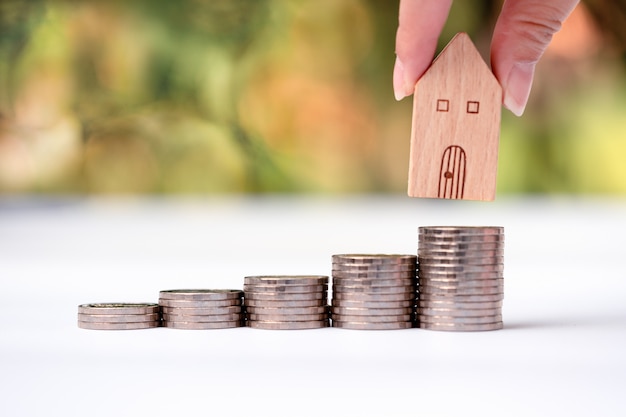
(201, 309)
(284, 302)
(118, 316)
(373, 292)
(460, 277)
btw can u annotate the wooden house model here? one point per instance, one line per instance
(456, 125)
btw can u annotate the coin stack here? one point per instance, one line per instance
(118, 316)
(373, 292)
(201, 309)
(460, 277)
(286, 302)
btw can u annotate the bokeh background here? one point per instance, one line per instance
(259, 96)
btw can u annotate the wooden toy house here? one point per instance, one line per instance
(456, 125)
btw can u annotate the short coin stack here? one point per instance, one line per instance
(118, 316)
(284, 302)
(201, 309)
(460, 277)
(373, 292)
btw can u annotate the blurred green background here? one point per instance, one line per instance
(252, 96)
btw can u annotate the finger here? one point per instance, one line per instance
(419, 26)
(522, 34)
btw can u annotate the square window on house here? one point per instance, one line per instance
(472, 106)
(443, 105)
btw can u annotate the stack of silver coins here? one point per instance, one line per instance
(286, 302)
(118, 316)
(460, 277)
(373, 292)
(201, 309)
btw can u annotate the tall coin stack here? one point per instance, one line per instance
(460, 277)
(373, 292)
(118, 316)
(286, 302)
(201, 309)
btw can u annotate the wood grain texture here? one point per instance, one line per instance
(456, 127)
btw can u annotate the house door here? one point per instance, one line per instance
(452, 173)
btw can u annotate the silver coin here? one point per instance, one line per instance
(373, 259)
(374, 297)
(288, 317)
(288, 311)
(461, 298)
(375, 281)
(378, 268)
(374, 290)
(288, 289)
(372, 326)
(460, 282)
(423, 318)
(201, 311)
(118, 308)
(200, 294)
(118, 318)
(203, 326)
(286, 280)
(295, 325)
(369, 277)
(366, 311)
(286, 303)
(445, 261)
(455, 230)
(199, 304)
(118, 326)
(459, 253)
(278, 296)
(373, 304)
(372, 318)
(461, 239)
(461, 327)
(428, 269)
(465, 276)
(427, 289)
(458, 312)
(203, 319)
(459, 305)
(452, 246)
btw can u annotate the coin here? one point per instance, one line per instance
(373, 304)
(459, 246)
(118, 308)
(372, 326)
(462, 239)
(390, 260)
(458, 312)
(449, 260)
(374, 290)
(287, 310)
(460, 231)
(200, 295)
(202, 319)
(118, 318)
(286, 303)
(286, 280)
(375, 282)
(364, 311)
(404, 296)
(461, 283)
(290, 289)
(202, 326)
(201, 311)
(459, 320)
(461, 298)
(295, 325)
(459, 305)
(428, 289)
(373, 275)
(279, 296)
(118, 326)
(426, 269)
(287, 317)
(468, 252)
(461, 327)
(380, 268)
(199, 304)
(452, 275)
(372, 318)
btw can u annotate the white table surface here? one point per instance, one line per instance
(562, 351)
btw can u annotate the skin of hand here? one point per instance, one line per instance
(522, 33)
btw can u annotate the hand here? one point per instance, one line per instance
(521, 35)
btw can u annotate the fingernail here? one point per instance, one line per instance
(398, 80)
(517, 88)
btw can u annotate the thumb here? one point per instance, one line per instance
(522, 34)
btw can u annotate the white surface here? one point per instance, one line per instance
(562, 351)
